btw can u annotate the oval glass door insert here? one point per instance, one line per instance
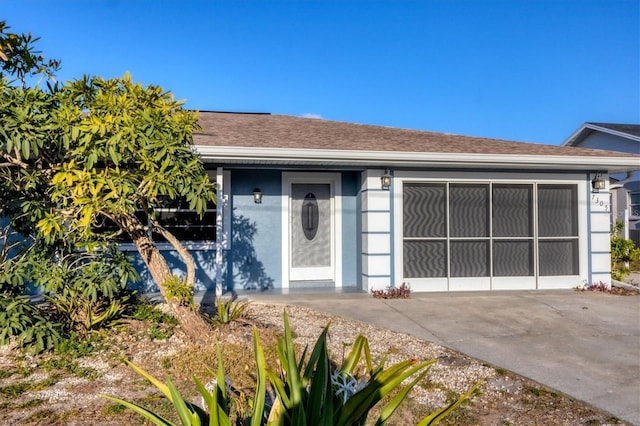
(310, 216)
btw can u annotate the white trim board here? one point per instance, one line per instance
(231, 154)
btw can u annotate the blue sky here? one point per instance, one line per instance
(526, 70)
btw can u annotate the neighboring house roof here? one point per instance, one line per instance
(281, 139)
(627, 131)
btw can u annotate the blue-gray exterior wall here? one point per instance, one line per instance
(254, 256)
(351, 229)
(601, 140)
(253, 259)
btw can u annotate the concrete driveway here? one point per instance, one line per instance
(586, 345)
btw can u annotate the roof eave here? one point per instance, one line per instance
(236, 155)
(587, 128)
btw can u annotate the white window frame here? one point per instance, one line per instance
(631, 204)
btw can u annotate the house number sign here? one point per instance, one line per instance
(600, 203)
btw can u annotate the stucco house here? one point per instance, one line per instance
(309, 203)
(624, 187)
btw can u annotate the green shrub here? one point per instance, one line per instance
(156, 332)
(307, 390)
(19, 318)
(88, 290)
(623, 251)
(76, 346)
(162, 324)
(84, 290)
(82, 314)
(14, 262)
(144, 310)
(179, 291)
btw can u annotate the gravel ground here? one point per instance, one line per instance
(62, 397)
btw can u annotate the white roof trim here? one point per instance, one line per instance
(226, 154)
(570, 141)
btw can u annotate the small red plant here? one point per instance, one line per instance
(599, 286)
(402, 292)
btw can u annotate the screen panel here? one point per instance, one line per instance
(512, 210)
(424, 210)
(558, 257)
(469, 210)
(425, 259)
(513, 258)
(557, 211)
(469, 258)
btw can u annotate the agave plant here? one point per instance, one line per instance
(319, 393)
(308, 390)
(228, 311)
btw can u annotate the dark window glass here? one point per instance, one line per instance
(108, 226)
(175, 217)
(187, 225)
(635, 204)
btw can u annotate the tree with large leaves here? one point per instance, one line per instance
(20, 59)
(129, 154)
(86, 290)
(96, 150)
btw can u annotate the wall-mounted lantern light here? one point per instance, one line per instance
(257, 196)
(385, 180)
(598, 183)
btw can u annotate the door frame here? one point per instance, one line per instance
(333, 179)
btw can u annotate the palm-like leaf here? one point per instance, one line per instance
(436, 416)
(149, 415)
(305, 390)
(261, 382)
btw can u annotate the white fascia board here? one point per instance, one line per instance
(414, 159)
(571, 140)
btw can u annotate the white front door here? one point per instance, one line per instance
(311, 232)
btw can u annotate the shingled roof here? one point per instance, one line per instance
(254, 135)
(282, 131)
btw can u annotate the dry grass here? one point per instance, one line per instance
(43, 391)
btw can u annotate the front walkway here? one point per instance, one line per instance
(586, 345)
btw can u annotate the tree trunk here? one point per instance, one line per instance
(184, 254)
(194, 326)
